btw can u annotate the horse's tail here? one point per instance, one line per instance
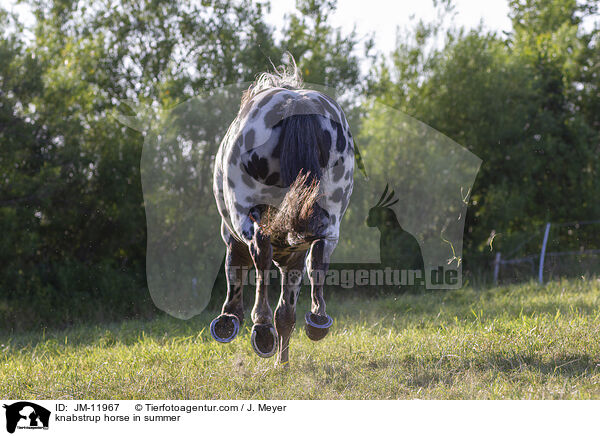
(299, 218)
(301, 138)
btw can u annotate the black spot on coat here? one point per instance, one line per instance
(272, 179)
(325, 148)
(340, 144)
(249, 138)
(330, 110)
(274, 116)
(257, 168)
(276, 154)
(248, 180)
(337, 195)
(338, 170)
(267, 98)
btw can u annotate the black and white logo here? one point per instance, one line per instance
(26, 415)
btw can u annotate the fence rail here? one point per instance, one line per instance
(498, 261)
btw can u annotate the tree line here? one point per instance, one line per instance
(72, 218)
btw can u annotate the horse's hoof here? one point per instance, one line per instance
(224, 328)
(317, 326)
(264, 340)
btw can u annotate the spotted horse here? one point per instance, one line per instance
(283, 177)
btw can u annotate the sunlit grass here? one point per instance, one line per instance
(524, 341)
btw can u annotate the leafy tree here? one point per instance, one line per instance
(523, 103)
(71, 204)
(325, 55)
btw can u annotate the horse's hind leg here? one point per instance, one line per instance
(263, 337)
(292, 270)
(317, 320)
(225, 327)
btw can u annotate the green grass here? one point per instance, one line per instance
(525, 341)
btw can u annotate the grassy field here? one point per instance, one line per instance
(517, 342)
